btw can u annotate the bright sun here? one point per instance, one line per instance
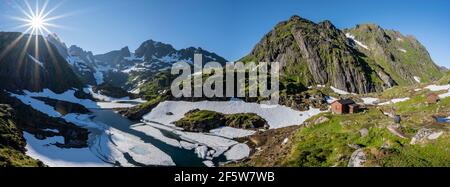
(37, 19)
(37, 22)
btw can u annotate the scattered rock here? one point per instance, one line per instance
(363, 132)
(169, 113)
(396, 131)
(304, 101)
(357, 159)
(354, 146)
(423, 134)
(435, 135)
(321, 119)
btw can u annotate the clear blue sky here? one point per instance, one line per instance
(231, 27)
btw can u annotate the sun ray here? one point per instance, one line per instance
(52, 54)
(19, 18)
(37, 21)
(13, 44)
(36, 44)
(30, 9)
(36, 13)
(43, 8)
(22, 54)
(20, 6)
(47, 19)
(53, 9)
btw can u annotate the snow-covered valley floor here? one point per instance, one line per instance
(138, 144)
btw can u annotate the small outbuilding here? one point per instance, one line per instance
(432, 98)
(344, 106)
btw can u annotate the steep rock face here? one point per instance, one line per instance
(24, 67)
(404, 58)
(157, 52)
(81, 61)
(316, 54)
(83, 64)
(114, 58)
(59, 44)
(12, 143)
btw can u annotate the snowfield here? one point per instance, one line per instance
(98, 75)
(107, 145)
(330, 99)
(369, 100)
(69, 96)
(53, 156)
(393, 101)
(37, 105)
(341, 92)
(230, 132)
(237, 152)
(440, 88)
(277, 116)
(435, 88)
(218, 141)
(417, 79)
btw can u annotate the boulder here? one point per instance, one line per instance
(425, 134)
(357, 159)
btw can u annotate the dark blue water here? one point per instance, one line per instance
(181, 157)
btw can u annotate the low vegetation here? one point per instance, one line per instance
(12, 143)
(330, 140)
(205, 120)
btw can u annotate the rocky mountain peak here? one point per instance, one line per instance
(315, 54)
(151, 48)
(125, 51)
(327, 24)
(402, 57)
(57, 42)
(296, 18)
(22, 68)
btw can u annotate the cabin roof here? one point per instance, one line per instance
(344, 101)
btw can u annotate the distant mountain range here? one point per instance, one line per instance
(126, 69)
(363, 59)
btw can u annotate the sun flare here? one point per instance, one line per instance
(37, 18)
(37, 22)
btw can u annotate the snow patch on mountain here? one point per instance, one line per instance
(402, 50)
(98, 75)
(36, 61)
(350, 36)
(341, 92)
